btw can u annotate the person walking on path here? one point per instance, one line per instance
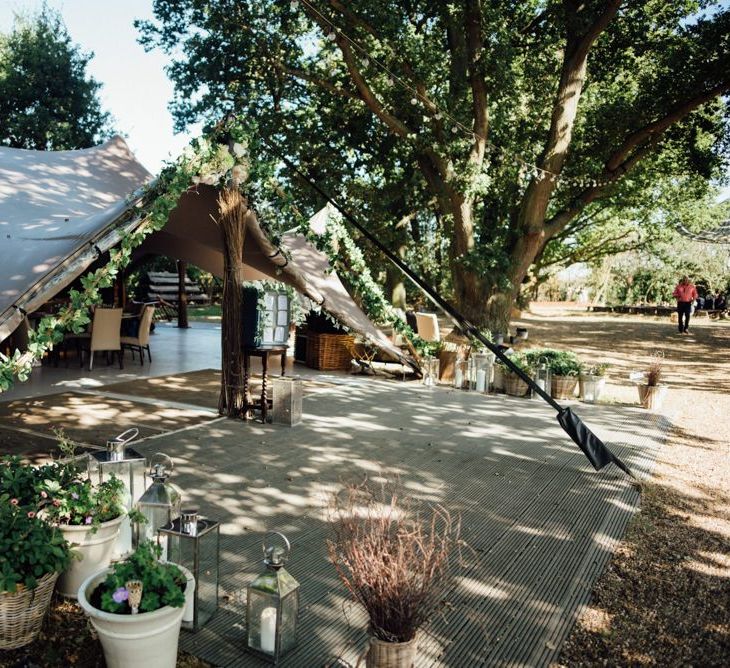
(686, 293)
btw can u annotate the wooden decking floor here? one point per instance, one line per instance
(540, 523)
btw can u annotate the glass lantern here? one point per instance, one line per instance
(461, 374)
(272, 605)
(159, 505)
(430, 368)
(129, 466)
(482, 371)
(194, 543)
(542, 374)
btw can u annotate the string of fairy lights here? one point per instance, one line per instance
(367, 59)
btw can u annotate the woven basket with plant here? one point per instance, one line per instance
(395, 563)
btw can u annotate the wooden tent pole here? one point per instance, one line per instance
(232, 208)
(182, 295)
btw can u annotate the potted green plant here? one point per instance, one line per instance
(395, 564)
(89, 517)
(652, 393)
(32, 554)
(565, 368)
(136, 607)
(591, 382)
(513, 383)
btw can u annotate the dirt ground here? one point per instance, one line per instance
(665, 598)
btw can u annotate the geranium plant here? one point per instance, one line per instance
(81, 502)
(161, 583)
(29, 547)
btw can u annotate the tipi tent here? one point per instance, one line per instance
(60, 209)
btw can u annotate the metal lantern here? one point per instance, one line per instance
(482, 371)
(542, 374)
(160, 504)
(129, 466)
(194, 543)
(287, 400)
(461, 374)
(430, 369)
(272, 605)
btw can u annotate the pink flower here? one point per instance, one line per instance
(44, 495)
(88, 519)
(56, 502)
(31, 514)
(14, 502)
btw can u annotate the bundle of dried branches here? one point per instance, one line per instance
(233, 208)
(655, 370)
(395, 563)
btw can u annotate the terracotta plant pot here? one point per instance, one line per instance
(93, 551)
(652, 396)
(591, 387)
(563, 387)
(383, 654)
(132, 641)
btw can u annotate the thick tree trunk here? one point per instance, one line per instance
(182, 295)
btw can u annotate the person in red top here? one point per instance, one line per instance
(686, 293)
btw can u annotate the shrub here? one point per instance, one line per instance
(596, 369)
(162, 583)
(396, 565)
(80, 502)
(29, 547)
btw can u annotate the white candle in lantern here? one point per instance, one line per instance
(268, 630)
(459, 382)
(540, 383)
(481, 380)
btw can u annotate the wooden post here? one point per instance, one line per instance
(232, 208)
(182, 295)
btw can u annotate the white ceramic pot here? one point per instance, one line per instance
(93, 551)
(145, 640)
(591, 388)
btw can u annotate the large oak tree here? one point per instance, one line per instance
(470, 134)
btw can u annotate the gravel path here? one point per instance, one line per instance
(665, 598)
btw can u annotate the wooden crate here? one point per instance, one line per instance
(329, 352)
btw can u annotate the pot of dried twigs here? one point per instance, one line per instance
(395, 562)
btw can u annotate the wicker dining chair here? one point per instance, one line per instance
(105, 334)
(141, 342)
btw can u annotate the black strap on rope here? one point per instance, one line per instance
(595, 450)
(22, 311)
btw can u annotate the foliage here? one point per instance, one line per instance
(29, 547)
(396, 564)
(435, 122)
(521, 360)
(81, 502)
(598, 369)
(162, 583)
(47, 102)
(560, 362)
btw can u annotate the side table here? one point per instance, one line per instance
(264, 352)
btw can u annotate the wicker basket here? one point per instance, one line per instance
(329, 352)
(514, 385)
(22, 613)
(563, 387)
(383, 654)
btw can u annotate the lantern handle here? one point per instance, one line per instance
(167, 457)
(284, 538)
(126, 439)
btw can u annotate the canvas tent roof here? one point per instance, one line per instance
(58, 209)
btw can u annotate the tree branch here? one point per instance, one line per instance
(311, 78)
